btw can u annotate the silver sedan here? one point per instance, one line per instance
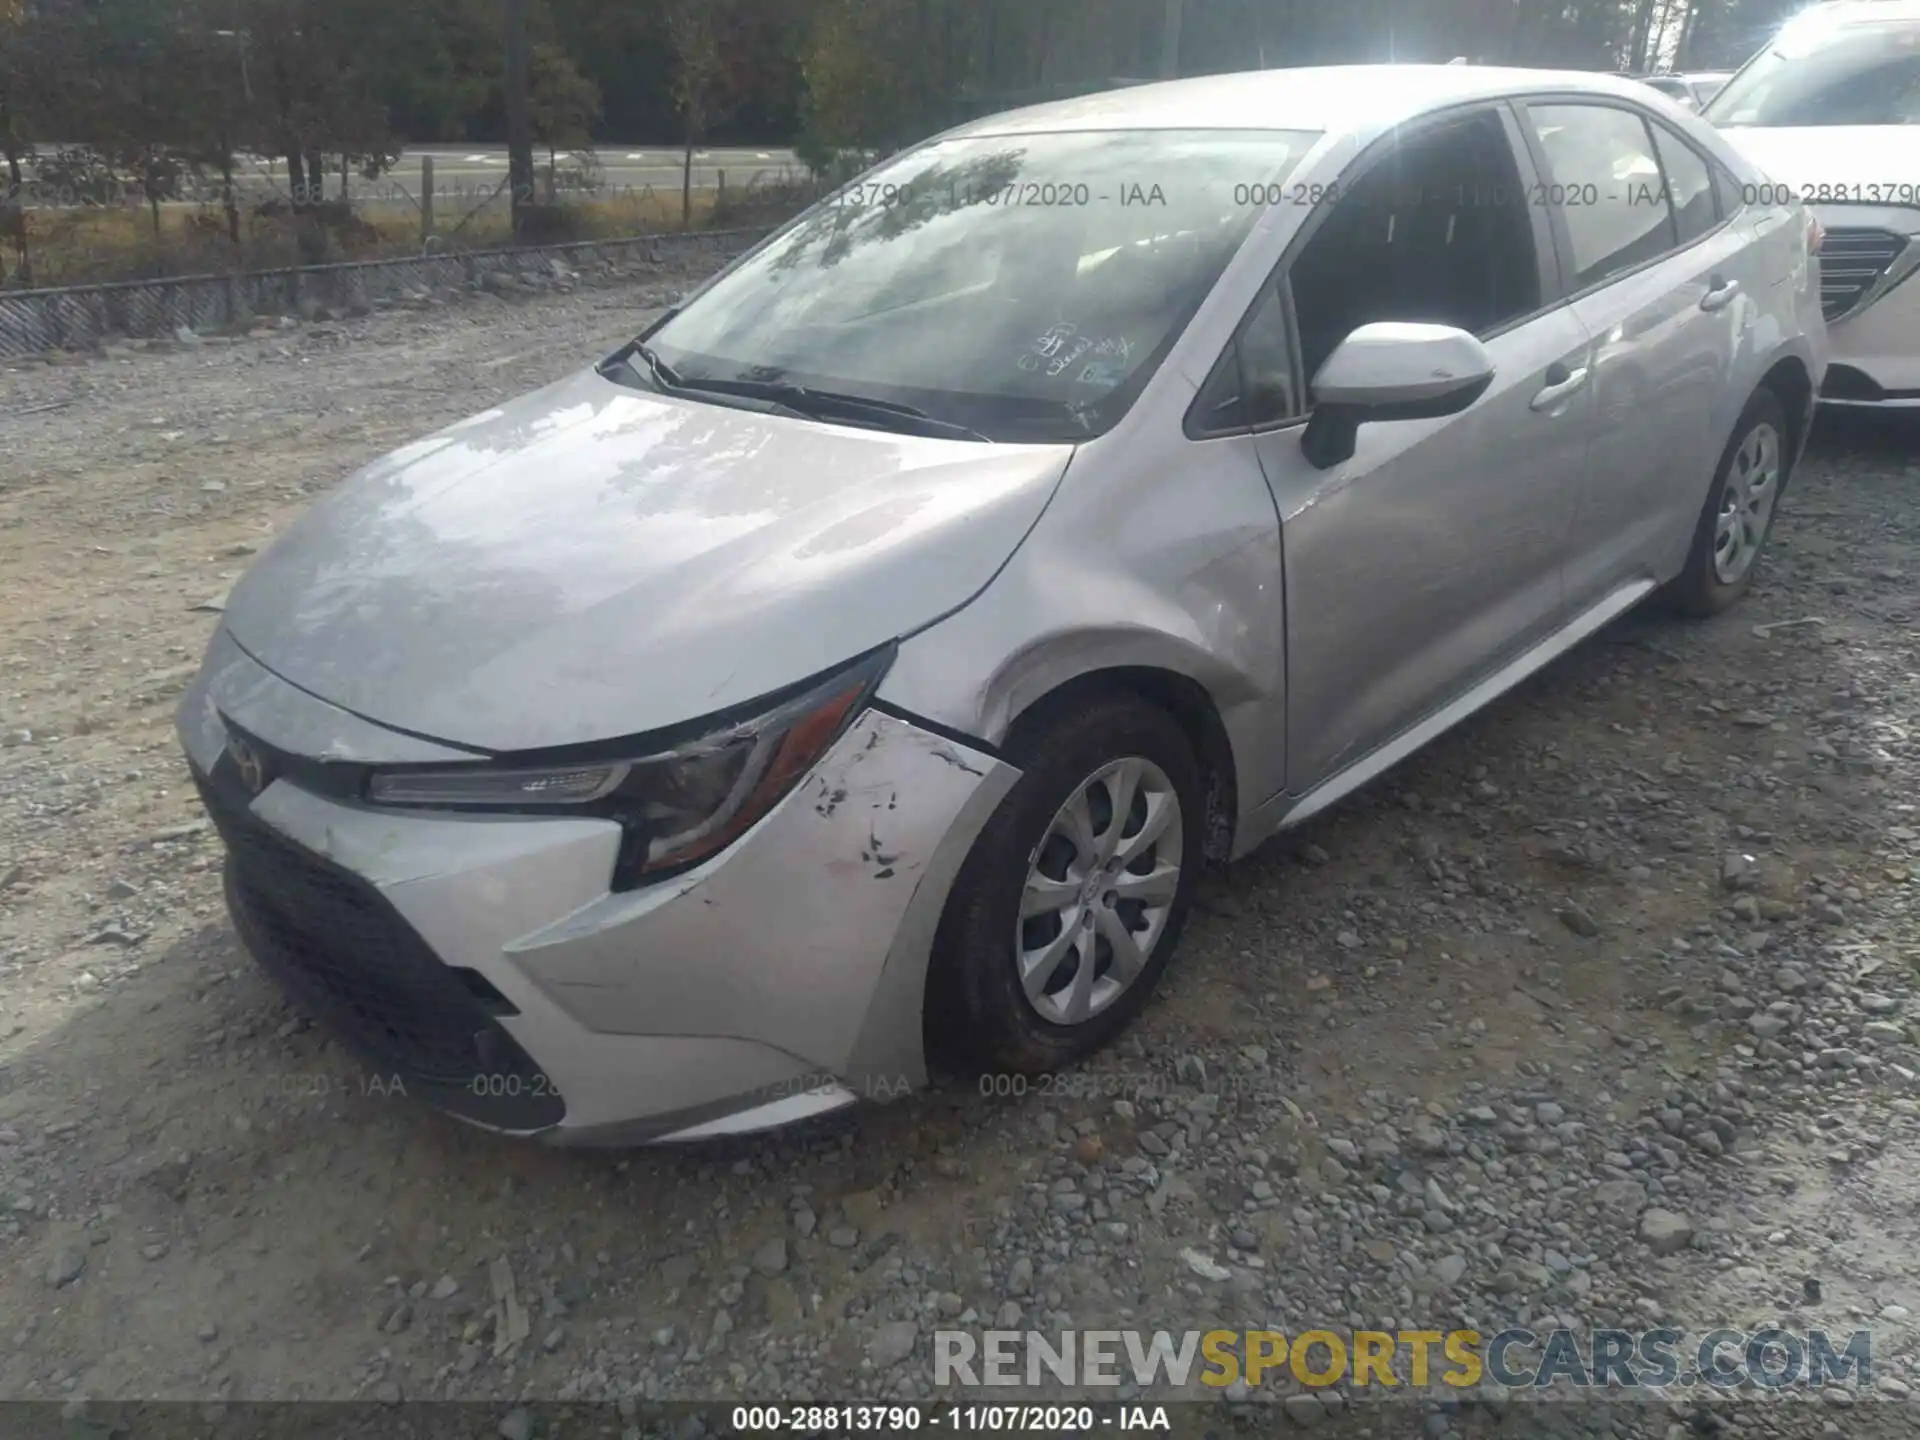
(848, 678)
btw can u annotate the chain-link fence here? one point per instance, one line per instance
(68, 227)
(34, 322)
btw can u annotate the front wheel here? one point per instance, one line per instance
(1074, 895)
(1738, 517)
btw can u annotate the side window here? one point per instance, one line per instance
(1730, 192)
(1434, 228)
(1253, 383)
(1689, 185)
(1606, 182)
(1266, 363)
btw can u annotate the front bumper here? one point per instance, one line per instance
(1871, 270)
(483, 961)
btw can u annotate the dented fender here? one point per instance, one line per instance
(813, 932)
(809, 936)
(799, 951)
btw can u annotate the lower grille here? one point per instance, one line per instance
(1852, 261)
(346, 956)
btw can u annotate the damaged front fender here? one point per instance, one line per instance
(812, 933)
(792, 965)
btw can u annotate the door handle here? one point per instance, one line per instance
(1561, 382)
(1720, 293)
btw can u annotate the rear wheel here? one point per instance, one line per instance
(1073, 897)
(1738, 517)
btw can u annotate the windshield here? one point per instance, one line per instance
(1022, 286)
(1819, 73)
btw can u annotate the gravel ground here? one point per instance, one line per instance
(1601, 1011)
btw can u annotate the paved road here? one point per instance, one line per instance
(635, 166)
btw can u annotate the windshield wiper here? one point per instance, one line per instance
(623, 358)
(664, 373)
(654, 373)
(799, 400)
(821, 404)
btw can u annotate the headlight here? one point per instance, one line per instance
(676, 806)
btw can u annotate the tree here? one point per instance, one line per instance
(698, 71)
(563, 102)
(209, 114)
(762, 44)
(14, 71)
(519, 113)
(314, 69)
(1726, 32)
(13, 74)
(134, 119)
(149, 95)
(626, 51)
(872, 80)
(437, 65)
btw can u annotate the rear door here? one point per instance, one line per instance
(1668, 287)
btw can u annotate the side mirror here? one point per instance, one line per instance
(1391, 371)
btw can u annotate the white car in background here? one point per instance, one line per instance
(1832, 109)
(1690, 92)
(1706, 84)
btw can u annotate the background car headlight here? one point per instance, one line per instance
(676, 806)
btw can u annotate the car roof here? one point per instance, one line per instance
(1359, 100)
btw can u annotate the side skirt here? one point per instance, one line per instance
(1287, 810)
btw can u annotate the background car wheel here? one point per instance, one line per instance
(1073, 897)
(1738, 516)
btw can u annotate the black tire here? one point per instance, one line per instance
(979, 1016)
(1697, 591)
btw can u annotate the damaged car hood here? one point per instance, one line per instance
(651, 559)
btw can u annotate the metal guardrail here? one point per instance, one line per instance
(82, 317)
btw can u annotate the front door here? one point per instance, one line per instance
(1437, 551)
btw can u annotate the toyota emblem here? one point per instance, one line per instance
(253, 770)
